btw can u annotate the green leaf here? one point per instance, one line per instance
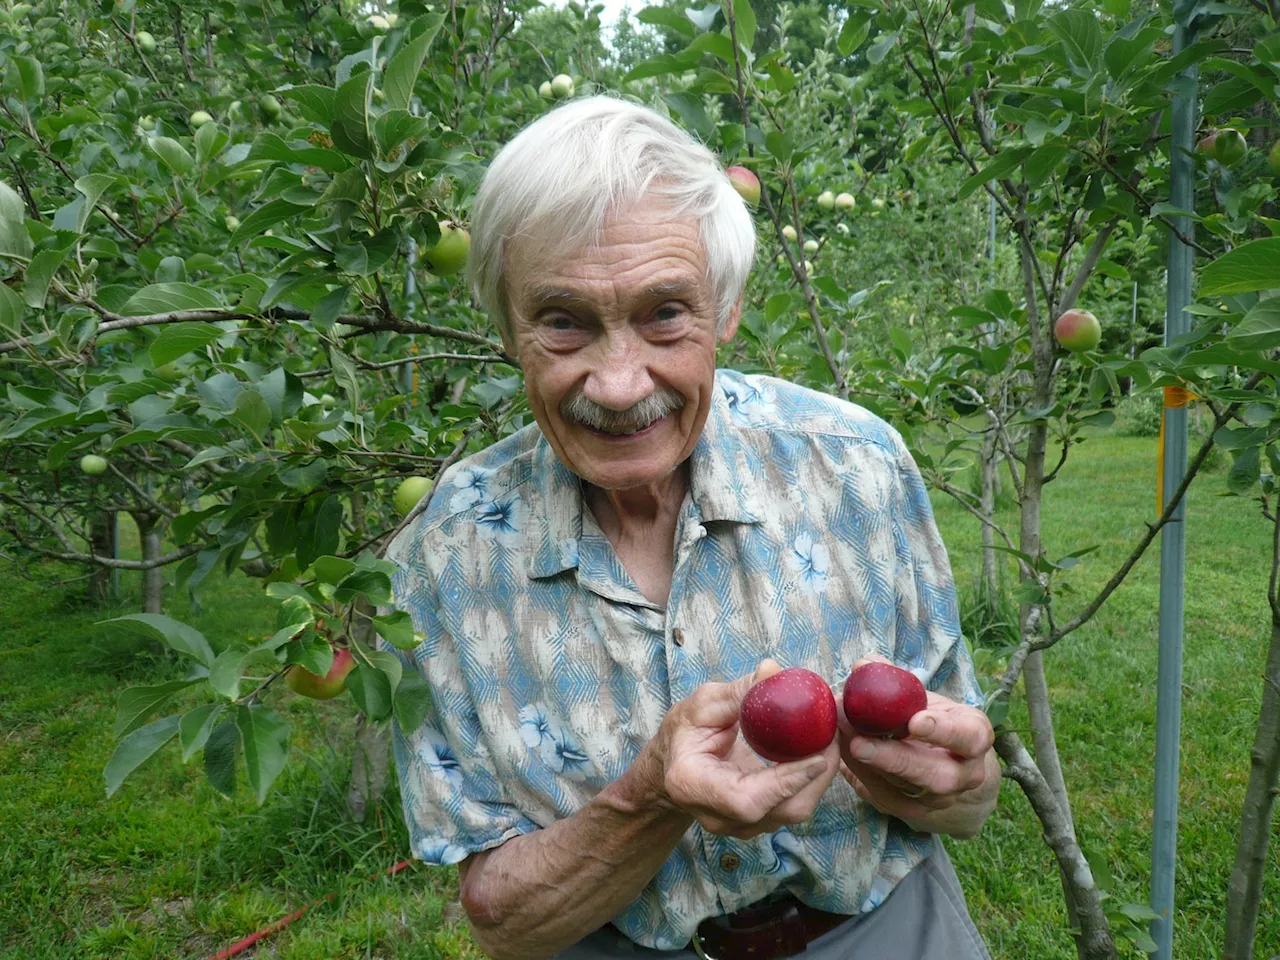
(668, 17)
(220, 751)
(884, 43)
(39, 274)
(688, 107)
(136, 749)
(350, 129)
(25, 78)
(663, 65)
(1249, 267)
(1080, 34)
(412, 702)
(1245, 471)
(315, 102)
(154, 626)
(332, 569)
(318, 531)
(394, 127)
(92, 187)
(397, 629)
(15, 242)
(136, 704)
(372, 585)
(224, 675)
(195, 727)
(252, 412)
(853, 33)
(329, 307)
(11, 310)
(179, 339)
(173, 154)
(745, 24)
(780, 145)
(265, 216)
(403, 69)
(265, 737)
(169, 298)
(1260, 328)
(1005, 162)
(371, 690)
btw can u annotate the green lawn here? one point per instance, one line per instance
(167, 869)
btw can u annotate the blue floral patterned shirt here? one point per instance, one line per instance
(807, 536)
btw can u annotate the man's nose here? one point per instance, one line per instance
(619, 376)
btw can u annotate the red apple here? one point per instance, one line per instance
(1078, 330)
(789, 716)
(746, 183)
(880, 699)
(322, 688)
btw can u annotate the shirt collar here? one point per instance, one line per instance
(723, 486)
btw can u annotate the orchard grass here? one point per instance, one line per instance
(168, 869)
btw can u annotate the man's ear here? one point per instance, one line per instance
(731, 325)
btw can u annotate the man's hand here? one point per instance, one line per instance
(942, 779)
(710, 774)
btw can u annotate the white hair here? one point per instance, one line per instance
(563, 174)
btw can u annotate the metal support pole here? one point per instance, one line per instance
(1173, 536)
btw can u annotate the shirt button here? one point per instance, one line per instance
(677, 636)
(730, 862)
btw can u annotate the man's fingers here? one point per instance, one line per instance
(966, 732)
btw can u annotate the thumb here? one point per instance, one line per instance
(767, 668)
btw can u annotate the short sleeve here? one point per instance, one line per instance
(928, 618)
(453, 798)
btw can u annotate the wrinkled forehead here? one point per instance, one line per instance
(532, 258)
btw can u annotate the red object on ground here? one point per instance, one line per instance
(241, 946)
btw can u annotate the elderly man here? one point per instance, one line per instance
(599, 590)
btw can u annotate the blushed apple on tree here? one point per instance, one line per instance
(322, 688)
(746, 183)
(1077, 330)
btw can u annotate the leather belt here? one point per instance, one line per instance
(767, 930)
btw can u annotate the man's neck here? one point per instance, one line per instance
(641, 525)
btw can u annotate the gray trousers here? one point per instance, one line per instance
(924, 918)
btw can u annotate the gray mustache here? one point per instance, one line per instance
(660, 403)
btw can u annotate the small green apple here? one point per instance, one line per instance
(146, 42)
(199, 119)
(147, 123)
(93, 465)
(808, 269)
(843, 228)
(232, 222)
(1077, 330)
(827, 200)
(845, 202)
(169, 372)
(544, 91)
(1273, 159)
(811, 246)
(562, 86)
(378, 24)
(322, 688)
(449, 255)
(328, 401)
(789, 232)
(409, 492)
(270, 107)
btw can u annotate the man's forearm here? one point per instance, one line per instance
(538, 893)
(964, 819)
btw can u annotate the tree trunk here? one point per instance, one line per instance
(1245, 889)
(369, 767)
(1094, 940)
(1035, 684)
(102, 543)
(149, 532)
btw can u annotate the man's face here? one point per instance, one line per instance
(618, 346)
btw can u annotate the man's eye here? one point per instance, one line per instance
(667, 314)
(562, 323)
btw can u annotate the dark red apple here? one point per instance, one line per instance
(789, 716)
(880, 699)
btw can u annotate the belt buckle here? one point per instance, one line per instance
(699, 949)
